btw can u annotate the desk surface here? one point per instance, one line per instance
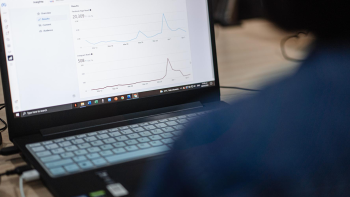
(249, 56)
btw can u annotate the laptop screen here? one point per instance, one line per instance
(71, 54)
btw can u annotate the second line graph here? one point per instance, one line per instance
(168, 64)
(164, 19)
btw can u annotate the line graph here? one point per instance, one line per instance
(168, 64)
(140, 32)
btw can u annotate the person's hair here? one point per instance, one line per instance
(324, 18)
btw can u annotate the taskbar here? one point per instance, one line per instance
(113, 99)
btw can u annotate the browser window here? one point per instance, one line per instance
(67, 54)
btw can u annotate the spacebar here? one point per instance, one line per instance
(137, 154)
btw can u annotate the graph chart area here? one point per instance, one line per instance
(131, 46)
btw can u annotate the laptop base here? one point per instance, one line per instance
(125, 177)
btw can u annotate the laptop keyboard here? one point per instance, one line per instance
(78, 153)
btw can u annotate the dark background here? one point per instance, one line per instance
(231, 12)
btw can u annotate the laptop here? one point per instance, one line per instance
(96, 91)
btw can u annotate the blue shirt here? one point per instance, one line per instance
(292, 139)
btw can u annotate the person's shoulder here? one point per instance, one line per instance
(257, 113)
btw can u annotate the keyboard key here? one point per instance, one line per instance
(179, 127)
(144, 145)
(47, 142)
(133, 136)
(137, 154)
(134, 126)
(153, 122)
(143, 139)
(71, 148)
(58, 151)
(78, 141)
(81, 152)
(114, 129)
(157, 131)
(123, 128)
(176, 133)
(103, 136)
(119, 144)
(156, 143)
(50, 158)
(168, 129)
(59, 163)
(34, 145)
(145, 133)
(58, 140)
(161, 125)
(109, 141)
(121, 138)
(163, 120)
(72, 168)
(167, 141)
(39, 148)
(192, 115)
(115, 134)
(144, 124)
(150, 127)
(79, 158)
(64, 144)
(86, 165)
(92, 134)
(106, 147)
(172, 123)
(131, 142)
(155, 137)
(182, 121)
(43, 154)
(166, 135)
(138, 129)
(106, 153)
(90, 139)
(126, 132)
(70, 138)
(97, 143)
(119, 150)
(99, 162)
(94, 149)
(93, 155)
(67, 155)
(131, 148)
(83, 146)
(81, 136)
(173, 118)
(57, 171)
(180, 117)
(102, 132)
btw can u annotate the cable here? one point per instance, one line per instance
(27, 176)
(238, 88)
(5, 125)
(21, 186)
(9, 151)
(19, 170)
(2, 106)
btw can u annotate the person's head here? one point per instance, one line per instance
(325, 18)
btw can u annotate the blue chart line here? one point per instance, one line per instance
(140, 32)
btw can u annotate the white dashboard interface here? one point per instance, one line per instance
(67, 51)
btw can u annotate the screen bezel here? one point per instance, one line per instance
(19, 127)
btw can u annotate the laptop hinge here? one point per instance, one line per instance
(117, 119)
